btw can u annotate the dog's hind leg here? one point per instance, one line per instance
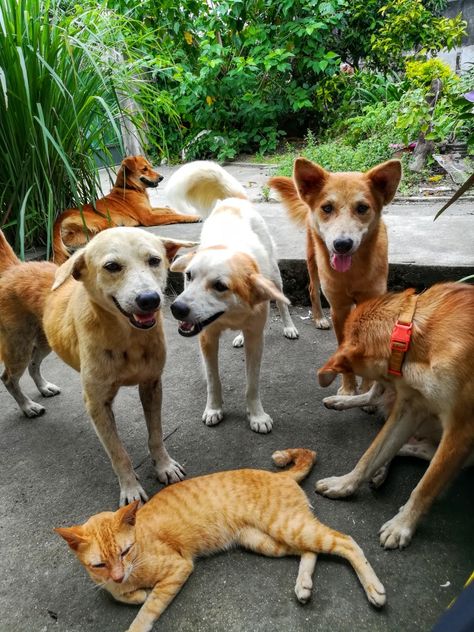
(16, 354)
(289, 329)
(40, 351)
(168, 470)
(320, 320)
(98, 398)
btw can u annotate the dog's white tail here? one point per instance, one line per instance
(198, 186)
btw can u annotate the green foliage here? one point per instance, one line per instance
(59, 109)
(421, 73)
(243, 74)
(409, 26)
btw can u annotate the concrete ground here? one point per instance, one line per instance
(54, 472)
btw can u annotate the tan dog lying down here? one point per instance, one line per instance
(433, 401)
(102, 318)
(127, 204)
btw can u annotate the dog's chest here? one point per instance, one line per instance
(133, 364)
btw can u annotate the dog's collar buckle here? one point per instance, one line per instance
(400, 338)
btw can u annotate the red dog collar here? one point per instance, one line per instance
(401, 335)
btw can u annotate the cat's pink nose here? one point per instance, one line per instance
(117, 574)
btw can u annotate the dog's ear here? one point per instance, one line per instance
(74, 267)
(128, 514)
(385, 178)
(182, 263)
(173, 245)
(129, 163)
(309, 179)
(262, 289)
(337, 363)
(73, 536)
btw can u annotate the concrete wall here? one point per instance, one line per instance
(460, 58)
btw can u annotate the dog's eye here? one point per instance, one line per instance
(101, 565)
(154, 262)
(189, 276)
(125, 551)
(362, 208)
(327, 208)
(145, 169)
(220, 287)
(112, 266)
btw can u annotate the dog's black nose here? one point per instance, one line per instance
(341, 246)
(160, 178)
(148, 301)
(179, 309)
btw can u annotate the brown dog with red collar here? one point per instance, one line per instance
(429, 382)
(346, 237)
(127, 204)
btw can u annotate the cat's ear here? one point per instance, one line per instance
(72, 535)
(128, 514)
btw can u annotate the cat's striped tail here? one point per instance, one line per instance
(302, 459)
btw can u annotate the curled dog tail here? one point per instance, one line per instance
(60, 252)
(302, 459)
(295, 207)
(7, 257)
(199, 185)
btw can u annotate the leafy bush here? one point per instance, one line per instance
(420, 73)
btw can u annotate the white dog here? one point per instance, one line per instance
(229, 280)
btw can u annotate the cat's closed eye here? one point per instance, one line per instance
(125, 551)
(100, 565)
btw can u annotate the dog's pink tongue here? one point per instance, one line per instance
(144, 319)
(341, 263)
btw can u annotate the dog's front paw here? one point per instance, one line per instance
(212, 416)
(336, 486)
(238, 341)
(169, 471)
(130, 491)
(291, 332)
(49, 389)
(397, 532)
(335, 402)
(261, 423)
(32, 409)
(322, 323)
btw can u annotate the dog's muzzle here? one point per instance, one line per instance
(145, 318)
(191, 328)
(151, 183)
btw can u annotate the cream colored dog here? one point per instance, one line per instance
(100, 312)
(229, 280)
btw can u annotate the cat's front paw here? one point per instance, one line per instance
(336, 486)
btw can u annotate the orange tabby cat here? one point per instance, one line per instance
(144, 555)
